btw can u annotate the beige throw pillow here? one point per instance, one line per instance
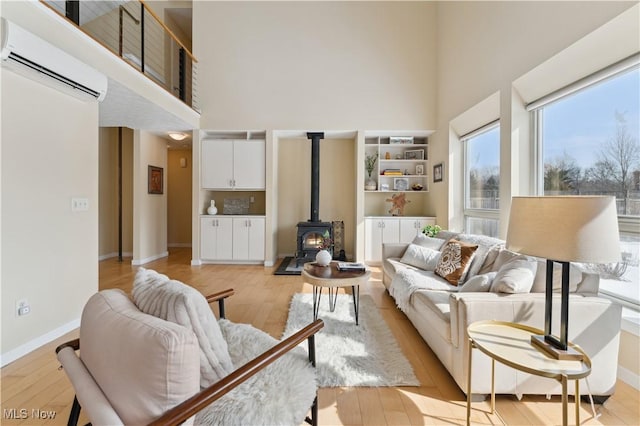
(454, 261)
(515, 276)
(421, 257)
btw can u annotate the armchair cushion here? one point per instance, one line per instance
(157, 295)
(144, 372)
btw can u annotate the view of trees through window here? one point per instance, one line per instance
(590, 146)
(482, 182)
(590, 143)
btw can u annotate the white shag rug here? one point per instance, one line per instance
(348, 354)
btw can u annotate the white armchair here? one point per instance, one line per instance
(137, 368)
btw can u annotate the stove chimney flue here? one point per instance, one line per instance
(315, 174)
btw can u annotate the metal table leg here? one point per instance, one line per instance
(469, 382)
(355, 290)
(317, 293)
(333, 296)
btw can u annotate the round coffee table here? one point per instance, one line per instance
(330, 277)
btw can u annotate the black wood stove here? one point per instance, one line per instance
(311, 234)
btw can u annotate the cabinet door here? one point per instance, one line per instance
(215, 238)
(409, 228)
(377, 232)
(256, 238)
(249, 164)
(248, 238)
(207, 238)
(217, 164)
(372, 240)
(240, 238)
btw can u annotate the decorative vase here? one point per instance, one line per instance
(212, 209)
(323, 258)
(370, 185)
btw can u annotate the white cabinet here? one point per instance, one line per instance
(238, 238)
(248, 238)
(233, 164)
(379, 230)
(411, 227)
(215, 238)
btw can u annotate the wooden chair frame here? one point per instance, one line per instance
(205, 397)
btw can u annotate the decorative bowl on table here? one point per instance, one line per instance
(417, 187)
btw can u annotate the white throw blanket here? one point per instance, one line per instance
(407, 281)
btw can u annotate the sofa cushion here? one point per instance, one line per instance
(435, 306)
(488, 248)
(455, 260)
(540, 281)
(171, 300)
(428, 242)
(143, 364)
(515, 276)
(478, 283)
(503, 257)
(421, 257)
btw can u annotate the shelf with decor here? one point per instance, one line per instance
(396, 163)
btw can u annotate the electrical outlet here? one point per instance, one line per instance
(252, 199)
(79, 204)
(23, 307)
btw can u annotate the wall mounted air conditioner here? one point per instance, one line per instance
(39, 60)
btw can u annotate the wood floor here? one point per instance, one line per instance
(34, 382)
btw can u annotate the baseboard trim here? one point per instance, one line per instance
(38, 342)
(112, 255)
(138, 262)
(629, 377)
(196, 262)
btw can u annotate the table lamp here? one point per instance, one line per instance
(562, 230)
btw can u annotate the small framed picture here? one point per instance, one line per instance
(438, 172)
(419, 169)
(400, 184)
(155, 184)
(384, 187)
(414, 154)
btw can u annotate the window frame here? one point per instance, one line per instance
(626, 224)
(476, 213)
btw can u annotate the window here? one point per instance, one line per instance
(482, 180)
(588, 144)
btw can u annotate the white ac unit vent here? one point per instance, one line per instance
(29, 55)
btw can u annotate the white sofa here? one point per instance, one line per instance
(441, 314)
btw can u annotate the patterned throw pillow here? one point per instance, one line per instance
(454, 261)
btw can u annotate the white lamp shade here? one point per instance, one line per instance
(566, 229)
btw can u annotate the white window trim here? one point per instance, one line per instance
(467, 212)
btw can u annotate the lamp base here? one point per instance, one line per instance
(556, 353)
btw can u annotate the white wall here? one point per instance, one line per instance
(49, 253)
(149, 210)
(315, 65)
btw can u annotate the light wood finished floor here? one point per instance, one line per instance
(34, 382)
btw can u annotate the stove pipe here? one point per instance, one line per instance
(315, 173)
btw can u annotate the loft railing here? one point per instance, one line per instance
(133, 31)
